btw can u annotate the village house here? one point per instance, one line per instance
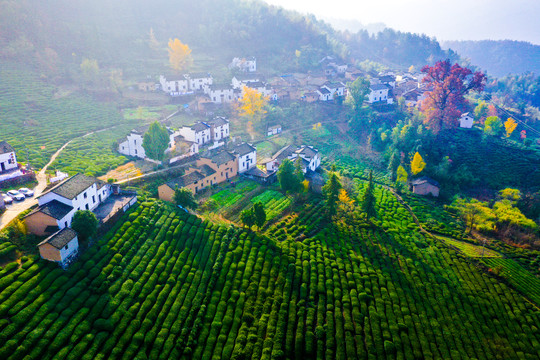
(260, 87)
(58, 205)
(466, 121)
(413, 97)
(352, 74)
(8, 160)
(311, 96)
(220, 94)
(389, 80)
(425, 186)
(379, 93)
(61, 247)
(248, 64)
(198, 133)
(199, 81)
(192, 180)
(335, 88)
(331, 63)
(219, 128)
(181, 148)
(176, 86)
(273, 130)
(131, 145)
(261, 176)
(239, 81)
(247, 156)
(311, 159)
(146, 86)
(223, 163)
(324, 94)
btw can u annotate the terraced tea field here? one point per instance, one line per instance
(164, 284)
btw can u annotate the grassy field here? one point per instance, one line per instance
(37, 121)
(470, 249)
(164, 284)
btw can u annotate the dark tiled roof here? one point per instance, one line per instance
(244, 149)
(186, 180)
(199, 127)
(218, 87)
(324, 91)
(73, 186)
(218, 121)
(53, 208)
(423, 180)
(248, 77)
(387, 78)
(60, 238)
(308, 151)
(255, 171)
(255, 84)
(284, 152)
(206, 170)
(221, 158)
(5, 148)
(379, 87)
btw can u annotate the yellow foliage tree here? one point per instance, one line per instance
(510, 125)
(305, 185)
(417, 164)
(252, 104)
(346, 204)
(179, 55)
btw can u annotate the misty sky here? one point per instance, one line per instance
(444, 19)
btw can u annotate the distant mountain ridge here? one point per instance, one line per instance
(501, 57)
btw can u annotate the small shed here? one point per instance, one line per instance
(274, 130)
(466, 121)
(61, 247)
(425, 186)
(261, 176)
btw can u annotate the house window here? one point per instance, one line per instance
(66, 247)
(93, 199)
(65, 224)
(86, 206)
(85, 196)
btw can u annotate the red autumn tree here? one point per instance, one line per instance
(445, 99)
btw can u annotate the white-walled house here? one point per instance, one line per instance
(259, 86)
(311, 159)
(324, 94)
(247, 156)
(337, 88)
(466, 121)
(178, 85)
(220, 94)
(379, 93)
(8, 160)
(61, 247)
(198, 133)
(219, 128)
(198, 81)
(274, 130)
(58, 205)
(238, 81)
(248, 64)
(131, 145)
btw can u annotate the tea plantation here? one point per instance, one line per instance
(164, 284)
(37, 119)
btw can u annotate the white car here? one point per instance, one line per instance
(26, 192)
(16, 195)
(7, 199)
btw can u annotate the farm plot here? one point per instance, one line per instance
(470, 249)
(94, 154)
(516, 275)
(37, 123)
(231, 195)
(274, 203)
(164, 284)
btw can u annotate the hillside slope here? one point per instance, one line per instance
(499, 58)
(166, 285)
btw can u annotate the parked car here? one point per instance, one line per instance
(7, 199)
(26, 192)
(16, 195)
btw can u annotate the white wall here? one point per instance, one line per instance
(221, 96)
(200, 83)
(246, 162)
(132, 146)
(378, 95)
(8, 161)
(221, 132)
(72, 247)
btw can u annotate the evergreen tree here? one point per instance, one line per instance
(393, 165)
(85, 223)
(298, 172)
(259, 214)
(331, 194)
(184, 198)
(155, 141)
(287, 177)
(368, 199)
(248, 218)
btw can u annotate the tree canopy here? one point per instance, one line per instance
(331, 193)
(179, 55)
(418, 164)
(448, 84)
(85, 223)
(155, 141)
(368, 199)
(184, 197)
(259, 214)
(288, 177)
